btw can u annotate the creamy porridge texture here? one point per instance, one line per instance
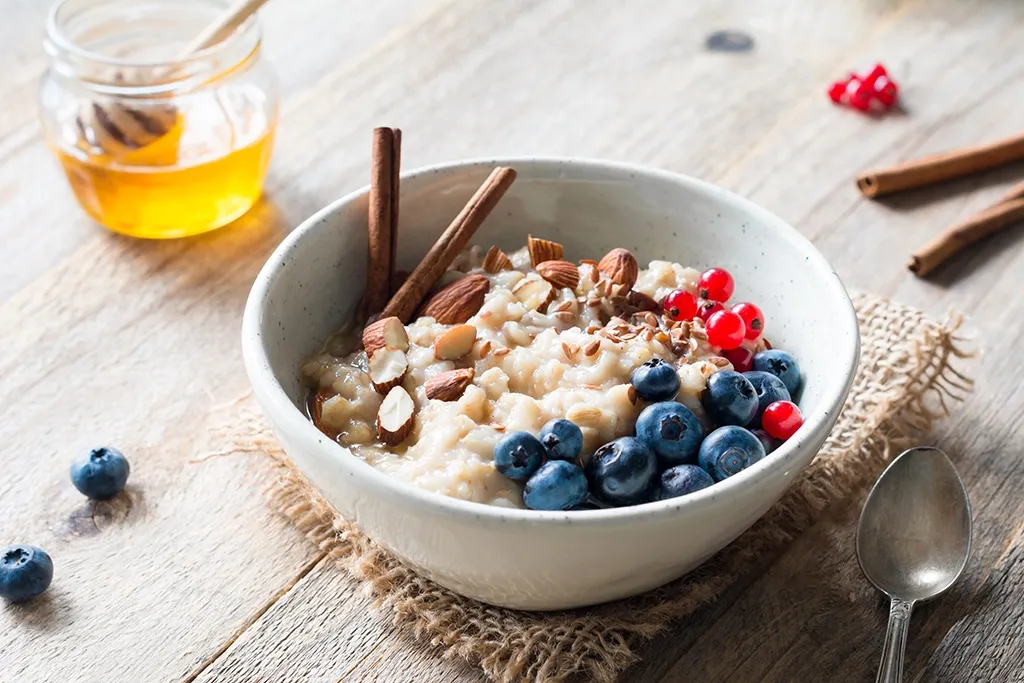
(559, 343)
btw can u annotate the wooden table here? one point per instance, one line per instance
(108, 340)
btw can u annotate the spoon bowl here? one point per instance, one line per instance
(913, 540)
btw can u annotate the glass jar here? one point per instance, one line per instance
(156, 143)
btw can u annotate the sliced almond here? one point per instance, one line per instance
(496, 261)
(387, 369)
(395, 418)
(543, 250)
(620, 266)
(454, 343)
(458, 301)
(535, 293)
(592, 348)
(450, 385)
(386, 332)
(559, 273)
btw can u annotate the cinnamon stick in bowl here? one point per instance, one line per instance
(383, 217)
(939, 167)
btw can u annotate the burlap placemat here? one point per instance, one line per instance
(904, 383)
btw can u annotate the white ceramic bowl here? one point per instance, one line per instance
(550, 560)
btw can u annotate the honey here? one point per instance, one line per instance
(156, 192)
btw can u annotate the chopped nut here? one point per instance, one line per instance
(561, 274)
(387, 369)
(719, 362)
(595, 275)
(496, 261)
(543, 250)
(534, 293)
(387, 332)
(454, 343)
(450, 385)
(588, 262)
(395, 417)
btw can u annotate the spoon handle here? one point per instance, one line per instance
(891, 668)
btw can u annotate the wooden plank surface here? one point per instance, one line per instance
(109, 340)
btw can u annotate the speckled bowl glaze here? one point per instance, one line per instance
(547, 560)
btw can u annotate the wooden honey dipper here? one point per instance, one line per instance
(118, 129)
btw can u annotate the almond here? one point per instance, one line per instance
(458, 301)
(450, 385)
(395, 418)
(535, 293)
(543, 250)
(386, 332)
(496, 261)
(454, 343)
(559, 273)
(387, 369)
(620, 266)
(316, 411)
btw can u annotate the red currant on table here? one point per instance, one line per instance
(836, 92)
(706, 309)
(725, 330)
(715, 284)
(781, 419)
(680, 305)
(878, 71)
(886, 91)
(859, 94)
(753, 318)
(741, 357)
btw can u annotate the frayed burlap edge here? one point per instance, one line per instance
(905, 382)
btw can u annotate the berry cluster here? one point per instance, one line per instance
(874, 92)
(727, 328)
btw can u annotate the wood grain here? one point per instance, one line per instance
(106, 340)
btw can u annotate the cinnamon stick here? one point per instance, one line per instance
(381, 223)
(1015, 192)
(940, 167)
(946, 245)
(454, 239)
(396, 166)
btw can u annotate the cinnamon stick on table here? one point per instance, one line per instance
(383, 233)
(946, 245)
(940, 167)
(454, 239)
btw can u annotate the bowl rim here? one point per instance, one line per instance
(272, 397)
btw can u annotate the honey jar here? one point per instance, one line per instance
(157, 143)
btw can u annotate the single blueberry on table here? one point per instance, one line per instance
(557, 485)
(655, 380)
(769, 442)
(100, 473)
(25, 572)
(730, 399)
(769, 388)
(680, 480)
(672, 431)
(782, 365)
(728, 450)
(622, 471)
(562, 439)
(518, 455)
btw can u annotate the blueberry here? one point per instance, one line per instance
(727, 450)
(557, 485)
(672, 431)
(655, 380)
(25, 572)
(562, 439)
(680, 480)
(621, 472)
(782, 365)
(100, 473)
(769, 442)
(769, 388)
(518, 455)
(730, 399)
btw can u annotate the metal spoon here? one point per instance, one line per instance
(913, 541)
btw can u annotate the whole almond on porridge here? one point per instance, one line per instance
(496, 261)
(454, 343)
(458, 301)
(395, 418)
(386, 332)
(387, 369)
(559, 273)
(620, 266)
(543, 250)
(449, 385)
(535, 293)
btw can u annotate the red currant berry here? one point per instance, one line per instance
(878, 71)
(753, 318)
(859, 94)
(836, 92)
(680, 305)
(886, 91)
(706, 309)
(715, 284)
(725, 330)
(781, 419)
(741, 357)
